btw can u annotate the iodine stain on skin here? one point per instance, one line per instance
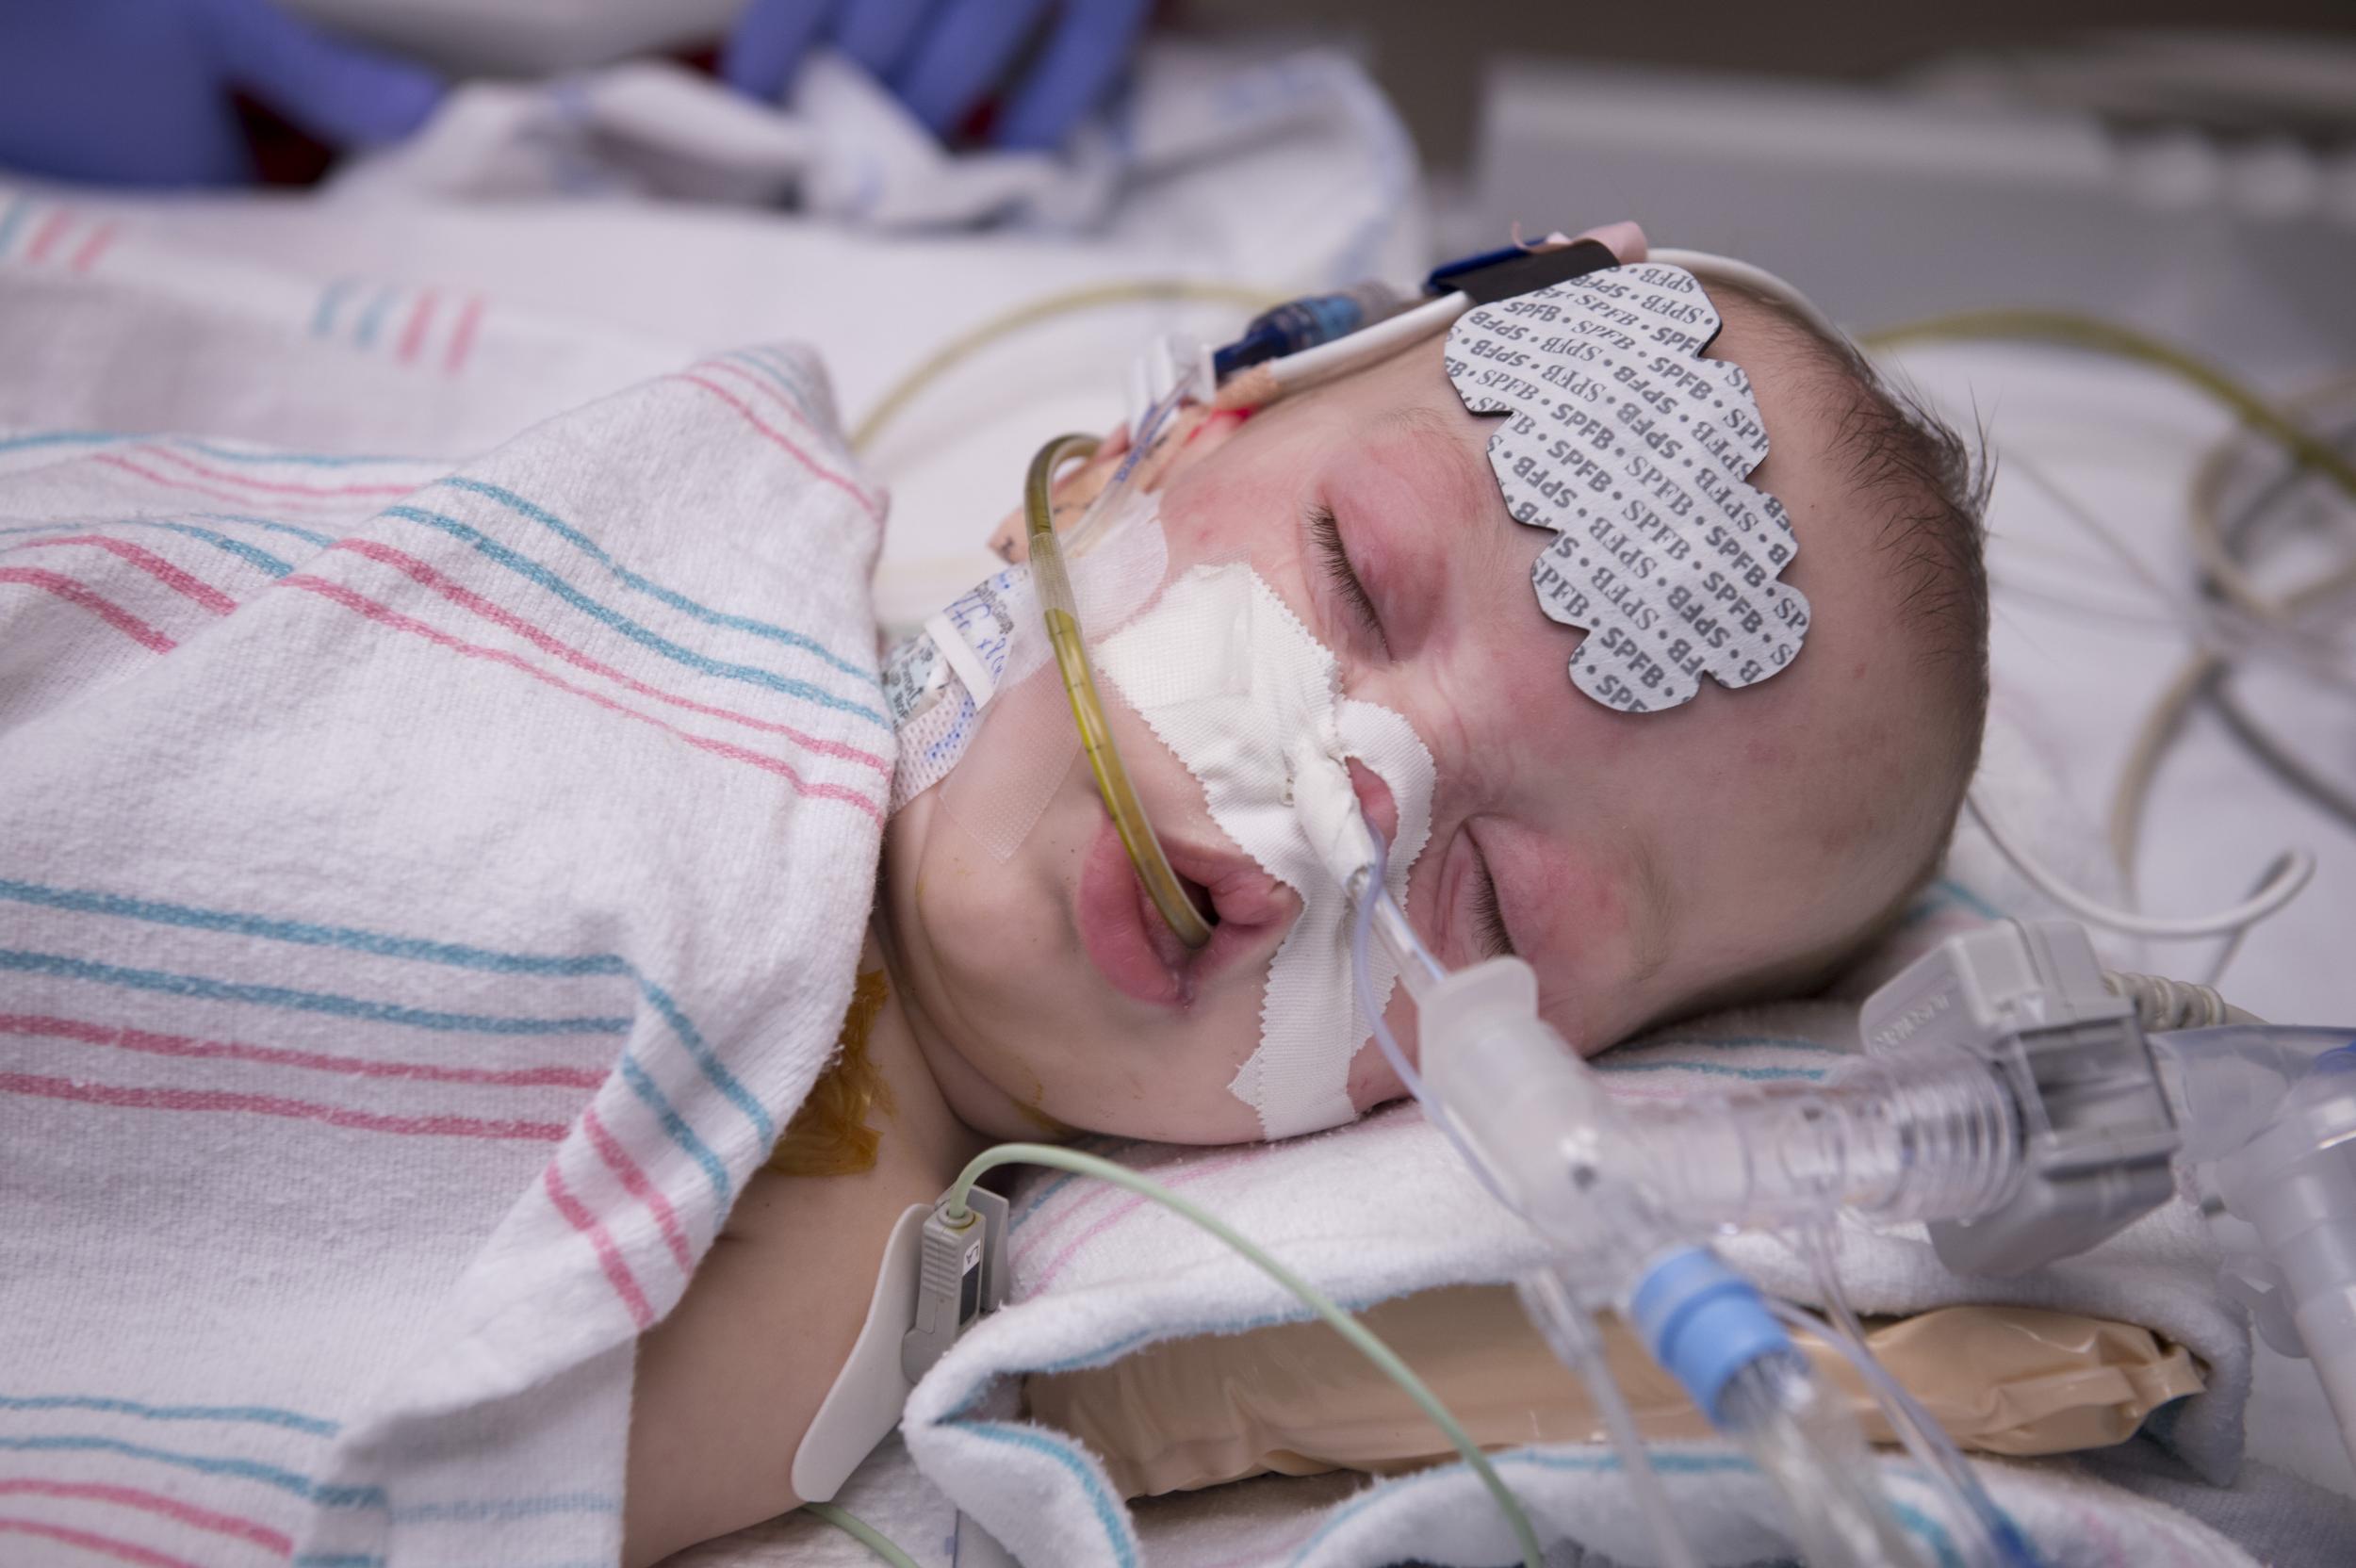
(1030, 1107)
(829, 1135)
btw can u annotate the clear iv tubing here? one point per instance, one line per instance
(1798, 1436)
(1417, 969)
(1062, 611)
(1993, 1537)
(1569, 1330)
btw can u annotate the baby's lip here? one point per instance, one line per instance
(1238, 892)
(1135, 949)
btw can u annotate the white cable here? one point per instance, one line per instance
(1434, 317)
(2297, 869)
(1368, 344)
(1758, 279)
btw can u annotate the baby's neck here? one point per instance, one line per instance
(921, 1140)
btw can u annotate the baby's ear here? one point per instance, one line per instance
(1010, 540)
(1194, 435)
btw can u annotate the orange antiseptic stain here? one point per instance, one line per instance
(829, 1135)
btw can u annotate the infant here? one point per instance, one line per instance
(1743, 845)
(429, 894)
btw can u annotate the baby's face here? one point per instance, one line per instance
(1633, 859)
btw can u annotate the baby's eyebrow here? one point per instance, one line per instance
(1429, 439)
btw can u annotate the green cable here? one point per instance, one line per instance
(861, 1531)
(1347, 1327)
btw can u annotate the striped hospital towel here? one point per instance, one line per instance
(424, 894)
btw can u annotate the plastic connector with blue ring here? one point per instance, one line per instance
(1703, 1323)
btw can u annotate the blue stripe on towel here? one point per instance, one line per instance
(596, 552)
(269, 1415)
(524, 566)
(1108, 1513)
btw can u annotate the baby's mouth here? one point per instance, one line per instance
(1134, 947)
(1177, 956)
(1241, 901)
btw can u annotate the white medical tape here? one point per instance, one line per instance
(979, 678)
(1638, 453)
(937, 684)
(1237, 688)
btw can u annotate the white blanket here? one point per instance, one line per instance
(379, 1046)
(1384, 1207)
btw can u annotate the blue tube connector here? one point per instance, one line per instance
(1305, 324)
(1703, 1323)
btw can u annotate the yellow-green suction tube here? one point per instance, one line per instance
(1054, 587)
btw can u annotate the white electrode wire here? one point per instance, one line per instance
(2280, 890)
(1707, 264)
(2203, 624)
(1429, 319)
(1368, 344)
(2206, 670)
(2232, 946)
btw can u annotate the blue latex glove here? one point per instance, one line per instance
(137, 92)
(943, 56)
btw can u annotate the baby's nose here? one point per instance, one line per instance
(1374, 799)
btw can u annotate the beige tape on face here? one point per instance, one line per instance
(1638, 453)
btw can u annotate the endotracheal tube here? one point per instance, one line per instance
(1538, 1129)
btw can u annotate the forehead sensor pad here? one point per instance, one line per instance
(1638, 453)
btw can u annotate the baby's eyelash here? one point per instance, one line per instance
(1328, 534)
(1489, 918)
